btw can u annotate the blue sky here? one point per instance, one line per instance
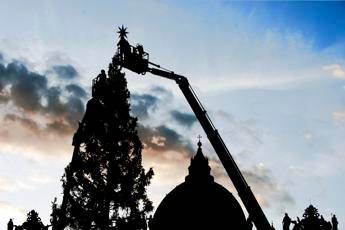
(321, 22)
(271, 75)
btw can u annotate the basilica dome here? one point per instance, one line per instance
(199, 203)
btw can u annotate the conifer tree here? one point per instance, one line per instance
(105, 183)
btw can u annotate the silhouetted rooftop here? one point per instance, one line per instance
(199, 202)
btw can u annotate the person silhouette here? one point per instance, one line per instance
(140, 49)
(124, 46)
(10, 225)
(286, 222)
(334, 223)
(99, 86)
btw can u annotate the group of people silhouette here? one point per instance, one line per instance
(310, 223)
(305, 224)
(33, 222)
(12, 226)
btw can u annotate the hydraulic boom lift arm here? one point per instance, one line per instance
(139, 63)
(243, 189)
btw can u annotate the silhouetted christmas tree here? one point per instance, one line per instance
(105, 183)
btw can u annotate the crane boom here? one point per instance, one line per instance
(243, 189)
(136, 60)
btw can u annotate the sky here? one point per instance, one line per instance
(270, 74)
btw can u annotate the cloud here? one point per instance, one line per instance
(8, 206)
(12, 185)
(169, 152)
(153, 103)
(142, 104)
(41, 179)
(335, 70)
(170, 165)
(245, 133)
(34, 140)
(308, 136)
(267, 191)
(58, 127)
(76, 90)
(163, 138)
(65, 71)
(185, 119)
(261, 179)
(160, 91)
(37, 112)
(30, 92)
(25, 87)
(8, 210)
(25, 122)
(339, 117)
